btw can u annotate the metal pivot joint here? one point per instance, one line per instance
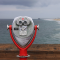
(38, 27)
(7, 27)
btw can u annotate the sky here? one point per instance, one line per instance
(10, 9)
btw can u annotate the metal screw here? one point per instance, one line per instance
(7, 27)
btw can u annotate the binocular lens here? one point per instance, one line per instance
(20, 22)
(25, 22)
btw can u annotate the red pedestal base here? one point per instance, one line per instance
(23, 52)
(23, 58)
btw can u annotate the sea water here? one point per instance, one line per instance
(48, 33)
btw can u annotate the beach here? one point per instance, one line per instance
(57, 19)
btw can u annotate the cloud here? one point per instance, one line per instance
(28, 3)
(45, 3)
(32, 8)
(51, 11)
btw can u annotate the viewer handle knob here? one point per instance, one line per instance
(7, 27)
(38, 27)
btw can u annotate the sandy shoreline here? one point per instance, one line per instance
(57, 19)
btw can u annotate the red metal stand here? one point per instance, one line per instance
(23, 51)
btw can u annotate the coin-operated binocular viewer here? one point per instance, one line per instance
(23, 33)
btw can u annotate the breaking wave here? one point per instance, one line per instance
(52, 20)
(49, 19)
(56, 36)
(58, 22)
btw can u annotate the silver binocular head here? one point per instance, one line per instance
(23, 29)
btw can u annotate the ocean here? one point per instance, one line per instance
(48, 33)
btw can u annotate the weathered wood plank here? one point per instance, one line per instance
(37, 52)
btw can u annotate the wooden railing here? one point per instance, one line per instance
(36, 52)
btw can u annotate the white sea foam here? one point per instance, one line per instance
(58, 22)
(56, 36)
(49, 19)
(58, 29)
(52, 20)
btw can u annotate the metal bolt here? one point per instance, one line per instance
(7, 27)
(38, 27)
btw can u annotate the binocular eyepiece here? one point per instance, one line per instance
(25, 23)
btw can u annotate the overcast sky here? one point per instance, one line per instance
(31, 8)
